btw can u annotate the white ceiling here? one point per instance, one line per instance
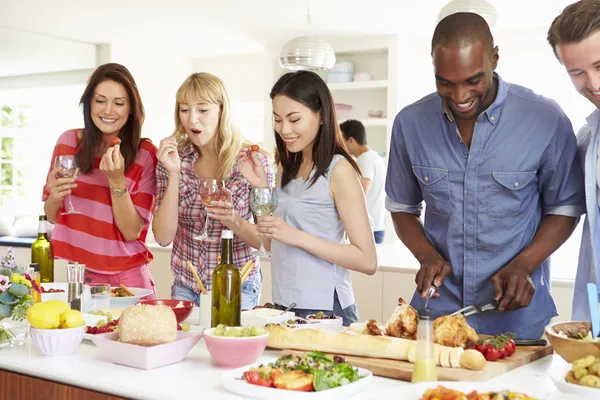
(199, 28)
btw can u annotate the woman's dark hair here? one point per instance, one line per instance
(308, 88)
(131, 133)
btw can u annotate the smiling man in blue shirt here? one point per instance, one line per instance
(497, 168)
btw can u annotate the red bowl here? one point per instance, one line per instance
(181, 313)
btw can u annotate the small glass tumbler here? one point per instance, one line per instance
(205, 310)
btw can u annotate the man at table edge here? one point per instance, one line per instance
(574, 36)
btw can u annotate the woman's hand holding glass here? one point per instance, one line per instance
(252, 169)
(168, 155)
(276, 228)
(222, 210)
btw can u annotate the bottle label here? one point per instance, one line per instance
(42, 227)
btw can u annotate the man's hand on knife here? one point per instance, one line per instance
(434, 270)
(513, 288)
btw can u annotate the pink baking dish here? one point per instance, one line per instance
(141, 357)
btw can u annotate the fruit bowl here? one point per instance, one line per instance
(234, 352)
(571, 349)
(124, 302)
(181, 308)
(57, 342)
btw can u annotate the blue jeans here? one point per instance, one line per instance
(379, 235)
(250, 292)
(349, 314)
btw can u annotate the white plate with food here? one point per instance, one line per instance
(558, 373)
(417, 391)
(120, 298)
(329, 379)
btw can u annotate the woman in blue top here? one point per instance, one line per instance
(320, 199)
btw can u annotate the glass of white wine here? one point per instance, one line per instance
(263, 202)
(68, 169)
(211, 190)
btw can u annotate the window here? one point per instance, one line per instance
(31, 121)
(13, 121)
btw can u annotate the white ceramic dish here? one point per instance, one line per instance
(233, 383)
(263, 316)
(124, 302)
(415, 391)
(330, 324)
(57, 342)
(558, 372)
(92, 319)
(62, 296)
(142, 357)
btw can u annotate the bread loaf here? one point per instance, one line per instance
(355, 344)
(148, 325)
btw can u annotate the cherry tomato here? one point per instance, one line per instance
(492, 354)
(256, 378)
(254, 147)
(115, 141)
(511, 348)
(480, 347)
(502, 351)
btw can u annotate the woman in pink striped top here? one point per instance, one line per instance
(114, 191)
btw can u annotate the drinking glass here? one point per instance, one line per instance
(263, 202)
(69, 169)
(211, 190)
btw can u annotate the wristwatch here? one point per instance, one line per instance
(118, 192)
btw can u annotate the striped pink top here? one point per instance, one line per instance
(92, 237)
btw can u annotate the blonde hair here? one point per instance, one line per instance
(203, 87)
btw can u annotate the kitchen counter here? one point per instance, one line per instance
(197, 375)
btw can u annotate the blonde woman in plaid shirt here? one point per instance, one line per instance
(207, 148)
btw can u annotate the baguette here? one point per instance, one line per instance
(355, 344)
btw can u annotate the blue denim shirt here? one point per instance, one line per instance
(484, 205)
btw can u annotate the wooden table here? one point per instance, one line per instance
(23, 387)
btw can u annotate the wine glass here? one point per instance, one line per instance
(69, 169)
(210, 190)
(263, 202)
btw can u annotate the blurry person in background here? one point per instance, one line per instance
(373, 174)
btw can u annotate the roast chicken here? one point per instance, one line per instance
(449, 330)
(403, 322)
(454, 331)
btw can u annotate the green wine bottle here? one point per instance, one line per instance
(42, 252)
(226, 287)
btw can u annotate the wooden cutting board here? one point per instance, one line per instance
(402, 370)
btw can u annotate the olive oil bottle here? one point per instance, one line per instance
(42, 252)
(226, 287)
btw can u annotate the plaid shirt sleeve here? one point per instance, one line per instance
(162, 178)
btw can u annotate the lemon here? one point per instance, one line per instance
(59, 306)
(42, 316)
(71, 319)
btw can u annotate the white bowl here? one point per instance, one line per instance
(62, 296)
(330, 324)
(124, 302)
(57, 342)
(557, 373)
